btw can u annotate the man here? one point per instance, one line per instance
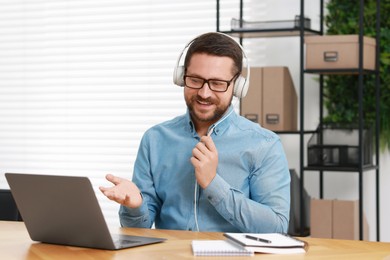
(209, 169)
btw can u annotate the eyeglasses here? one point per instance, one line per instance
(216, 85)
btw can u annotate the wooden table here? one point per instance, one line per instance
(15, 243)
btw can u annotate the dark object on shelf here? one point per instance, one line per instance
(339, 147)
(294, 227)
(237, 24)
(8, 208)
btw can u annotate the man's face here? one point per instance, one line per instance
(205, 105)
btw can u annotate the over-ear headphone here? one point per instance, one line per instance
(241, 84)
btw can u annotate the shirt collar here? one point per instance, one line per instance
(219, 127)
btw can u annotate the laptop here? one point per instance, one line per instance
(64, 210)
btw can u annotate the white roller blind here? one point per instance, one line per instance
(81, 80)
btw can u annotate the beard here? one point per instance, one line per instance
(197, 115)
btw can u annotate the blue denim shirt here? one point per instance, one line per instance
(251, 192)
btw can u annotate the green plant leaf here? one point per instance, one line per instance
(341, 92)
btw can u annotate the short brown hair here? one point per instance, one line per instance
(216, 44)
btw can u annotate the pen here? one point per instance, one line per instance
(258, 239)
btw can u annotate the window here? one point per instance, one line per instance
(81, 80)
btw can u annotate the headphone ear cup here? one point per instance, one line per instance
(240, 87)
(178, 76)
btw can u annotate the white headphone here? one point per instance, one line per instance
(241, 84)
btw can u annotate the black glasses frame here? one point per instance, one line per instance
(228, 82)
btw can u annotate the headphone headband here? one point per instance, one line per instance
(241, 84)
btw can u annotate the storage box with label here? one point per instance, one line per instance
(271, 100)
(339, 52)
(336, 219)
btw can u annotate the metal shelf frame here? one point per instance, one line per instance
(301, 32)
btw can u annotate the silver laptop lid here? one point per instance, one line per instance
(64, 210)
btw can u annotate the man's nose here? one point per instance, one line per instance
(205, 91)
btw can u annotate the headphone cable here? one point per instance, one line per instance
(196, 183)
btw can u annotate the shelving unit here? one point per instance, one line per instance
(302, 32)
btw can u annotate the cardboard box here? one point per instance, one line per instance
(336, 219)
(271, 100)
(321, 218)
(339, 52)
(345, 219)
(252, 103)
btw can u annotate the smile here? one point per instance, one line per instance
(204, 102)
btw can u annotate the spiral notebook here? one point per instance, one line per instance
(271, 243)
(218, 248)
